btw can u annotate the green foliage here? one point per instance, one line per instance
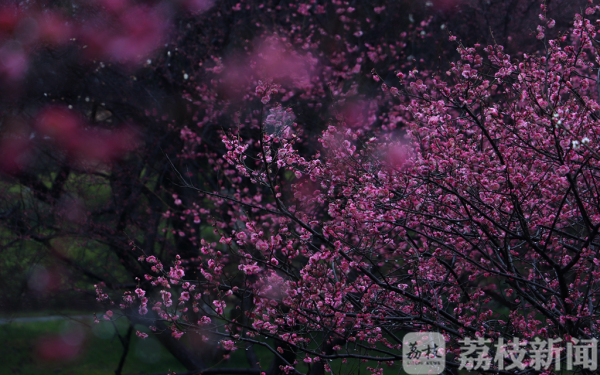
(99, 351)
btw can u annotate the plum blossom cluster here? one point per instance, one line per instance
(479, 219)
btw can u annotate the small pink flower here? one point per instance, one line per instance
(249, 269)
(228, 345)
(262, 245)
(185, 296)
(563, 170)
(304, 9)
